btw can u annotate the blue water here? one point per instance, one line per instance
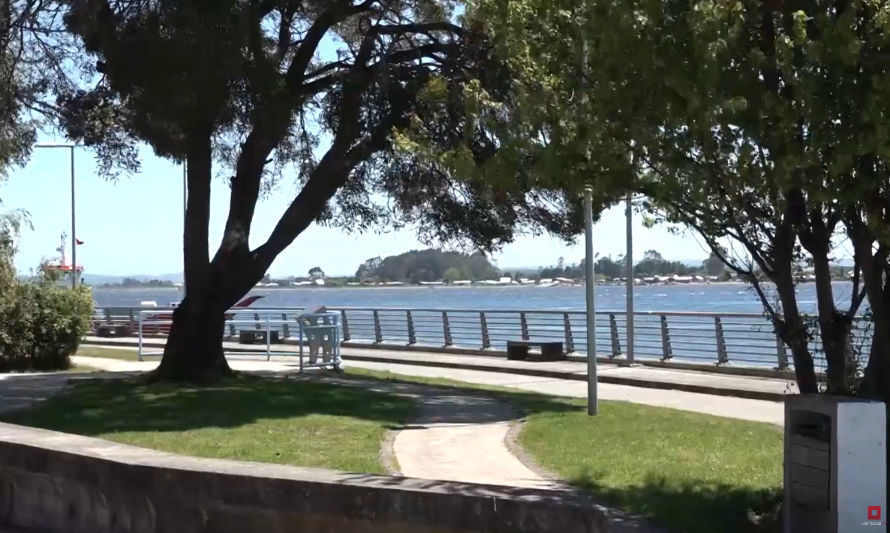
(718, 297)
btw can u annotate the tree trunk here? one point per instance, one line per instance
(194, 350)
(834, 328)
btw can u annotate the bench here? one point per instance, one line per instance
(519, 350)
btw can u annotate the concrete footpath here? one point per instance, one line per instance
(723, 381)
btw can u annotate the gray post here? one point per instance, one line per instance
(722, 355)
(570, 341)
(590, 292)
(412, 335)
(666, 351)
(184, 211)
(629, 255)
(483, 323)
(346, 336)
(378, 333)
(523, 326)
(446, 329)
(781, 354)
(285, 328)
(73, 229)
(613, 331)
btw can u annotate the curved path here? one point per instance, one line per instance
(457, 437)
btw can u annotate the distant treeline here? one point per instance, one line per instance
(137, 283)
(427, 265)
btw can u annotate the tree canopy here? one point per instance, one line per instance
(427, 265)
(761, 125)
(331, 94)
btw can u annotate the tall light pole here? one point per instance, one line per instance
(589, 274)
(73, 217)
(185, 173)
(629, 257)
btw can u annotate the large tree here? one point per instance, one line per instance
(761, 125)
(257, 90)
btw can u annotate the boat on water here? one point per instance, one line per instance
(60, 268)
(123, 321)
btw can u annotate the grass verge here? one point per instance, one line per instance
(243, 418)
(108, 353)
(688, 471)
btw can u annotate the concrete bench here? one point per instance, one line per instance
(518, 350)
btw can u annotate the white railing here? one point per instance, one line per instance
(707, 339)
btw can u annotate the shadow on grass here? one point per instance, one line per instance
(694, 507)
(97, 407)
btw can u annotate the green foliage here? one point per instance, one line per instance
(452, 274)
(41, 322)
(760, 124)
(428, 265)
(41, 325)
(653, 264)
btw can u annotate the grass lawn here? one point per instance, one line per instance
(688, 471)
(108, 353)
(244, 418)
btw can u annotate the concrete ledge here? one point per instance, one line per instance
(53, 481)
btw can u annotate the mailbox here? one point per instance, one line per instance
(835, 465)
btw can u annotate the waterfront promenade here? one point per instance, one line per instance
(734, 396)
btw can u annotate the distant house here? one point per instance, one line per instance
(461, 282)
(393, 283)
(432, 283)
(680, 279)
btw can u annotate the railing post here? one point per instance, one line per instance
(613, 331)
(256, 318)
(446, 329)
(346, 336)
(139, 352)
(666, 351)
(523, 325)
(107, 313)
(722, 356)
(378, 333)
(781, 354)
(285, 328)
(483, 323)
(412, 335)
(268, 336)
(570, 342)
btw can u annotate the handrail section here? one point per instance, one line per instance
(741, 339)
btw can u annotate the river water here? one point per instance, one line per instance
(717, 297)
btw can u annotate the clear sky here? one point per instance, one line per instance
(134, 225)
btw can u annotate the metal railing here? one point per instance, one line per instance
(739, 339)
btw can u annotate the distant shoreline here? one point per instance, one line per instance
(439, 287)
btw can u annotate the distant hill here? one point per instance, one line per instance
(427, 265)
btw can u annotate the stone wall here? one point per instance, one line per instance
(53, 481)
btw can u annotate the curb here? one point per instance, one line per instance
(553, 374)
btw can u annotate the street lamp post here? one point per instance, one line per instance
(629, 257)
(590, 275)
(70, 147)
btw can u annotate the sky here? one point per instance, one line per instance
(134, 225)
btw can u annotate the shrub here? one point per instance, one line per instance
(41, 325)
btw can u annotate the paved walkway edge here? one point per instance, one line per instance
(602, 378)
